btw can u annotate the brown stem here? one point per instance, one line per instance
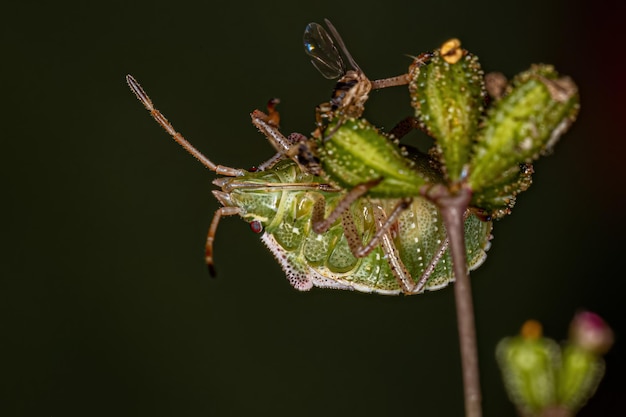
(452, 208)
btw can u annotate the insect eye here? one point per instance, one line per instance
(256, 226)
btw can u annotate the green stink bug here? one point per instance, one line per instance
(393, 245)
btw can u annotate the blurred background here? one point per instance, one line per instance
(106, 305)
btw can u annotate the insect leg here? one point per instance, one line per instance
(443, 247)
(399, 270)
(396, 81)
(294, 146)
(352, 235)
(270, 162)
(208, 252)
(403, 79)
(272, 121)
(404, 278)
(266, 126)
(404, 127)
(321, 224)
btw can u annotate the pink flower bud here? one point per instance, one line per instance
(589, 332)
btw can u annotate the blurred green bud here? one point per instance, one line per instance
(543, 380)
(579, 377)
(536, 109)
(448, 94)
(583, 366)
(528, 363)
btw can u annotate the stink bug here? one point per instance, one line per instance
(386, 246)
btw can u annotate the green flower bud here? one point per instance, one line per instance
(543, 380)
(579, 377)
(448, 93)
(583, 367)
(528, 363)
(536, 110)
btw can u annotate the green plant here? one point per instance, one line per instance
(350, 187)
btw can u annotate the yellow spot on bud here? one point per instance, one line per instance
(451, 51)
(531, 329)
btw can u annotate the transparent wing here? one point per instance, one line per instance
(321, 48)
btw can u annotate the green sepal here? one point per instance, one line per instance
(536, 110)
(356, 152)
(579, 377)
(499, 199)
(448, 101)
(528, 368)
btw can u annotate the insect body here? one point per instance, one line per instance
(284, 199)
(354, 155)
(353, 87)
(416, 243)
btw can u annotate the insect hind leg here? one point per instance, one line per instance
(399, 270)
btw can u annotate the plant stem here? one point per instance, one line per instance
(452, 208)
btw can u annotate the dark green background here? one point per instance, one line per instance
(107, 308)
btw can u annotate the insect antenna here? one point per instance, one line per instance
(158, 116)
(219, 169)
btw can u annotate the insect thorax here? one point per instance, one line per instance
(350, 94)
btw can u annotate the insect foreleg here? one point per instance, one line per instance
(208, 251)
